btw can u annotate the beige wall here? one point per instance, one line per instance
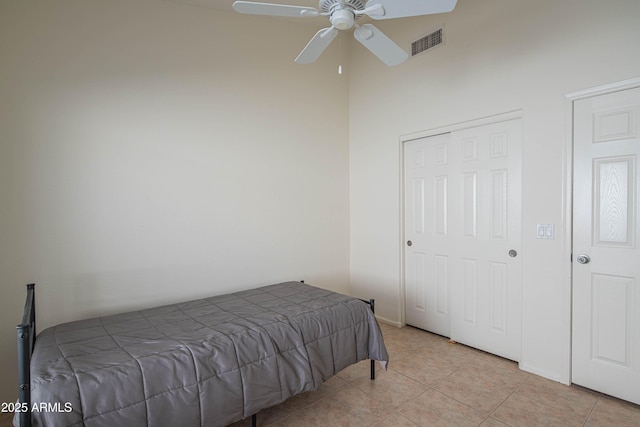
(153, 152)
(499, 56)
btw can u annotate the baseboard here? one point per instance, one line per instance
(543, 373)
(389, 322)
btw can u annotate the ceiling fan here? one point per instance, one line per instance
(343, 14)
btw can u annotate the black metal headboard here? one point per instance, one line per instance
(26, 333)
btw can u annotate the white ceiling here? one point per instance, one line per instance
(226, 4)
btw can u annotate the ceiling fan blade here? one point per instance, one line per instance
(271, 9)
(380, 45)
(387, 9)
(317, 45)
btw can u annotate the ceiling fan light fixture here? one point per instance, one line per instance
(342, 19)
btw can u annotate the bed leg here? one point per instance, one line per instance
(254, 420)
(372, 304)
(24, 393)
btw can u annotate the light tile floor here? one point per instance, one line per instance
(431, 382)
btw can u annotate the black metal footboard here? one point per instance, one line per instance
(372, 304)
(26, 333)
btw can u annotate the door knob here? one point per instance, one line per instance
(583, 259)
(513, 253)
(409, 243)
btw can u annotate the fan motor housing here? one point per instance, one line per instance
(329, 6)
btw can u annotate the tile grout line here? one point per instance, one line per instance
(514, 391)
(586, 420)
(501, 403)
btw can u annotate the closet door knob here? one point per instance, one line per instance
(409, 243)
(583, 259)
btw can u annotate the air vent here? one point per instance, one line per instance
(427, 42)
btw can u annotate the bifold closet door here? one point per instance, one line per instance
(462, 236)
(428, 243)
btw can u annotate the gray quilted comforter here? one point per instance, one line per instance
(207, 362)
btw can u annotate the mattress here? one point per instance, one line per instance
(207, 362)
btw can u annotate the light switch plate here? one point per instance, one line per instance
(545, 231)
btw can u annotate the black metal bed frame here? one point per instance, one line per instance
(26, 334)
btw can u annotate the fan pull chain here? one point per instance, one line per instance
(340, 55)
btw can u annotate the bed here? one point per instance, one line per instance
(206, 362)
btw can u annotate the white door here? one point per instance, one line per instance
(606, 257)
(487, 312)
(427, 169)
(463, 219)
